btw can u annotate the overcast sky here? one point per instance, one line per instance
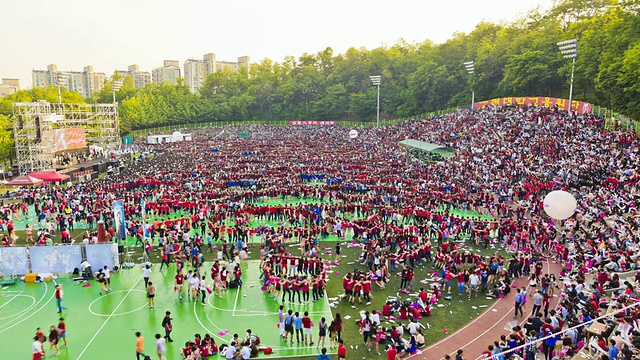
(112, 34)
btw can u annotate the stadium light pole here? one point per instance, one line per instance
(470, 66)
(115, 86)
(569, 50)
(60, 77)
(376, 79)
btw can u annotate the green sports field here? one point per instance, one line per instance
(104, 326)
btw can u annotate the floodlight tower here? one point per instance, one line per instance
(376, 79)
(470, 66)
(115, 87)
(569, 50)
(60, 78)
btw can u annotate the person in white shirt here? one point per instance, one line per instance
(474, 281)
(146, 273)
(161, 346)
(246, 351)
(86, 267)
(375, 317)
(38, 353)
(231, 351)
(414, 326)
(194, 285)
(400, 329)
(107, 277)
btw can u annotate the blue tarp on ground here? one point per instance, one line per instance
(311, 176)
(242, 183)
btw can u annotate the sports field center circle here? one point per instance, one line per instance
(28, 312)
(13, 297)
(116, 313)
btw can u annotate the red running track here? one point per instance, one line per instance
(475, 337)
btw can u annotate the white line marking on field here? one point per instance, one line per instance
(120, 314)
(235, 304)
(46, 288)
(109, 317)
(10, 300)
(213, 334)
(18, 314)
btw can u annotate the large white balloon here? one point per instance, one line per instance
(353, 134)
(177, 136)
(559, 204)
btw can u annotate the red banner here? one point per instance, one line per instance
(579, 107)
(312, 122)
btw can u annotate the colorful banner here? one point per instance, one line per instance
(55, 259)
(64, 139)
(119, 221)
(101, 255)
(14, 259)
(312, 122)
(579, 107)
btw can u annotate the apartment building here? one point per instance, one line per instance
(85, 82)
(196, 70)
(169, 72)
(140, 78)
(9, 86)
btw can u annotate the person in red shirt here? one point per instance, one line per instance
(461, 282)
(423, 296)
(165, 258)
(179, 283)
(59, 294)
(306, 329)
(342, 350)
(357, 287)
(392, 352)
(410, 276)
(62, 330)
(366, 290)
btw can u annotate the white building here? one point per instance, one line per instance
(86, 82)
(169, 72)
(9, 86)
(196, 71)
(140, 78)
(176, 136)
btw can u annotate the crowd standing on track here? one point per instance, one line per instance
(400, 212)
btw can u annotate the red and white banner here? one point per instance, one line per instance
(313, 122)
(579, 107)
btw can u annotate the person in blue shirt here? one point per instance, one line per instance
(297, 321)
(324, 355)
(613, 350)
(412, 346)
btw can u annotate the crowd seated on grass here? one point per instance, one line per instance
(368, 191)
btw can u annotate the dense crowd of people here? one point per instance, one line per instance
(401, 211)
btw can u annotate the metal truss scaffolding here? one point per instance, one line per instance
(36, 120)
